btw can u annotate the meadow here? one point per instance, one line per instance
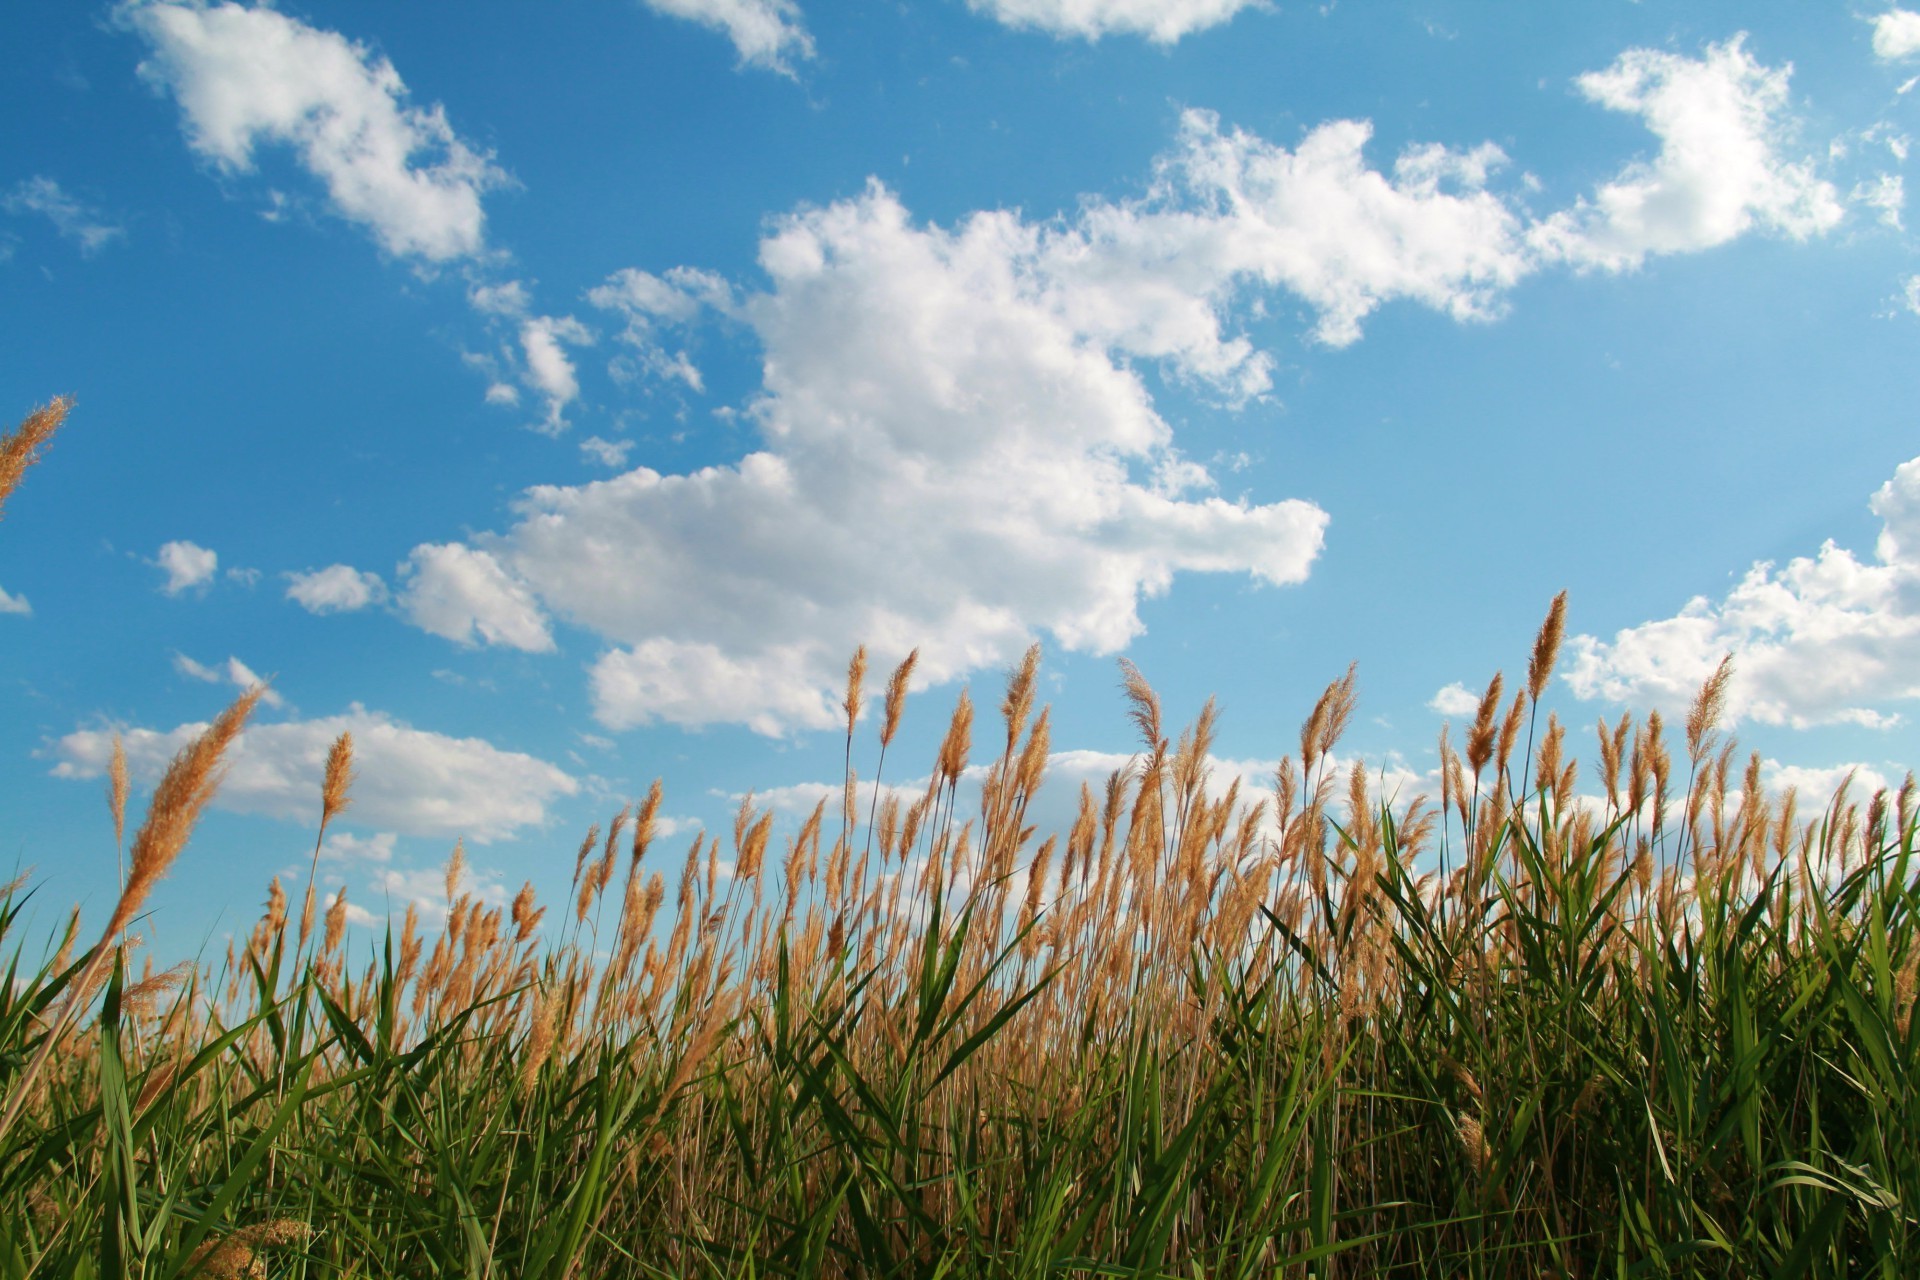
(1650, 1019)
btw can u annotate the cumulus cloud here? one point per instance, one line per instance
(411, 781)
(1454, 700)
(72, 218)
(608, 453)
(1162, 21)
(653, 305)
(343, 846)
(233, 672)
(187, 565)
(549, 370)
(14, 604)
(765, 33)
(949, 461)
(244, 77)
(1828, 638)
(1723, 126)
(1230, 208)
(338, 588)
(463, 594)
(1896, 35)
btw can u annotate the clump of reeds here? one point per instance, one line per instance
(1323, 1031)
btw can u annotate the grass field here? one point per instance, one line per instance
(1645, 1020)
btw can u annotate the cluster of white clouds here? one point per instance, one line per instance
(772, 34)
(14, 604)
(957, 451)
(250, 76)
(1826, 639)
(72, 217)
(766, 33)
(1162, 21)
(411, 781)
(1722, 123)
(951, 460)
(233, 672)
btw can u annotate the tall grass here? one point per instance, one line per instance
(1662, 1025)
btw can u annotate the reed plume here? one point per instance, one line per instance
(23, 448)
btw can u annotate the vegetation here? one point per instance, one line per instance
(1661, 1026)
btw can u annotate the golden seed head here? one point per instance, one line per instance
(856, 682)
(897, 698)
(22, 449)
(1546, 647)
(456, 864)
(118, 788)
(336, 922)
(183, 792)
(1480, 737)
(334, 790)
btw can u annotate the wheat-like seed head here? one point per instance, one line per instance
(336, 922)
(1480, 737)
(22, 449)
(856, 684)
(335, 789)
(897, 698)
(117, 789)
(1707, 707)
(456, 865)
(1546, 647)
(178, 800)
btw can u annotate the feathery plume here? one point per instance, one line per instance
(118, 788)
(456, 864)
(856, 682)
(897, 698)
(22, 449)
(1546, 647)
(1480, 737)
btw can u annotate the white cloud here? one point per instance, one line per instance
(1818, 784)
(1830, 638)
(233, 672)
(187, 565)
(338, 588)
(549, 370)
(1163, 21)
(1910, 294)
(608, 453)
(949, 461)
(247, 76)
(1455, 700)
(765, 33)
(1720, 172)
(342, 846)
(955, 450)
(409, 781)
(72, 218)
(14, 604)
(507, 299)
(1887, 193)
(650, 303)
(1896, 35)
(1232, 208)
(503, 393)
(464, 595)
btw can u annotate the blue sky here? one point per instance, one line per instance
(554, 395)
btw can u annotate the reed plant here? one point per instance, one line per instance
(1660, 1024)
